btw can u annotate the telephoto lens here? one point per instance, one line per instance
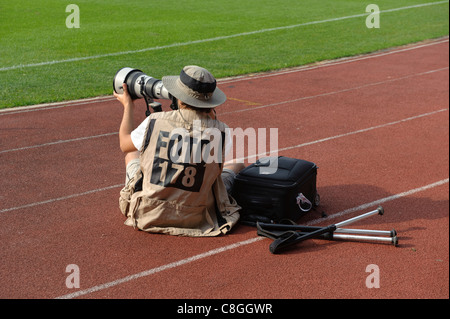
(139, 84)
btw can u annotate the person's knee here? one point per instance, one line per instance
(235, 167)
(131, 156)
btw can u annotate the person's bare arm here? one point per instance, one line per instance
(127, 124)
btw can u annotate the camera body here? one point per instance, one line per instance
(140, 85)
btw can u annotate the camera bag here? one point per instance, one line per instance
(287, 193)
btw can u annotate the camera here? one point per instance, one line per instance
(140, 85)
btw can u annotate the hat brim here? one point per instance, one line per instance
(171, 84)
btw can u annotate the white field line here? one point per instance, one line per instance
(334, 62)
(323, 64)
(173, 45)
(220, 250)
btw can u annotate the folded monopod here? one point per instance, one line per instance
(291, 236)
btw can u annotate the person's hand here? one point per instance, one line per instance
(125, 97)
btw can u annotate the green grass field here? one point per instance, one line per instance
(41, 60)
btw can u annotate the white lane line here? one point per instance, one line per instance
(337, 92)
(58, 142)
(243, 110)
(328, 63)
(159, 269)
(173, 45)
(55, 105)
(381, 201)
(220, 250)
(243, 158)
(53, 200)
(46, 106)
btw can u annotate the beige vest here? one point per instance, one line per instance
(179, 184)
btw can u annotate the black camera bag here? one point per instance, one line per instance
(288, 193)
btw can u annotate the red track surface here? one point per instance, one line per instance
(377, 127)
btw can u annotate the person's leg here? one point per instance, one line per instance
(132, 164)
(131, 156)
(230, 170)
(235, 167)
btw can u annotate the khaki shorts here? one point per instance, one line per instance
(228, 175)
(132, 168)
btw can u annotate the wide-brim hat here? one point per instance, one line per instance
(195, 86)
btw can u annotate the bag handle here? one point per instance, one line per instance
(301, 199)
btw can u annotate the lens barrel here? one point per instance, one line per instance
(139, 84)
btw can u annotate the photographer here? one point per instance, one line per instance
(163, 195)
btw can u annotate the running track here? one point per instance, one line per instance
(376, 125)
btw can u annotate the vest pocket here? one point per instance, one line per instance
(124, 199)
(133, 186)
(161, 213)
